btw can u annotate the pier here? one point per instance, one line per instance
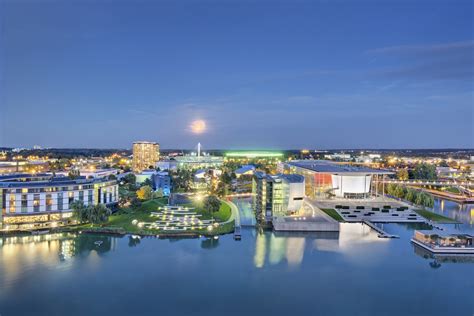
(382, 233)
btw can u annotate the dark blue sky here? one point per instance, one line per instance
(283, 74)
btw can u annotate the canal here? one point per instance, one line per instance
(350, 273)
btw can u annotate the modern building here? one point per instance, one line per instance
(92, 173)
(325, 179)
(254, 156)
(277, 195)
(160, 180)
(32, 201)
(245, 170)
(168, 164)
(23, 166)
(145, 155)
(193, 162)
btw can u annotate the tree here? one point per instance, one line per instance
(221, 189)
(94, 214)
(73, 174)
(391, 187)
(419, 199)
(98, 213)
(212, 204)
(402, 174)
(130, 178)
(147, 182)
(424, 171)
(145, 192)
(135, 203)
(400, 191)
(79, 211)
(410, 195)
(158, 194)
(443, 163)
(112, 177)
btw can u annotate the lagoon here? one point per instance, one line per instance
(350, 273)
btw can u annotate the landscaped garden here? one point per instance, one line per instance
(138, 219)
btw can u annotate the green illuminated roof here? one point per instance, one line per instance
(253, 154)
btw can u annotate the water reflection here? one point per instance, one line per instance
(209, 243)
(133, 241)
(48, 251)
(437, 260)
(463, 213)
(280, 246)
(274, 247)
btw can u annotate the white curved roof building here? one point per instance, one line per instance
(325, 179)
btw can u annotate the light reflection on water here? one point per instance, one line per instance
(463, 213)
(350, 272)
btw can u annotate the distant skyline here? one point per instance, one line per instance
(237, 74)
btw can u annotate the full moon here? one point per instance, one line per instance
(198, 126)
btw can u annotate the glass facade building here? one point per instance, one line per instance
(36, 201)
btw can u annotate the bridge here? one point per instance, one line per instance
(438, 183)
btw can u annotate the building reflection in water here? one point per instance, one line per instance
(51, 251)
(437, 260)
(260, 250)
(273, 248)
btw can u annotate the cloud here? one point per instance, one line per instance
(432, 49)
(449, 61)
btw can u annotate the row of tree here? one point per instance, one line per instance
(94, 214)
(414, 196)
(421, 171)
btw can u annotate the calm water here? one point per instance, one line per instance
(353, 273)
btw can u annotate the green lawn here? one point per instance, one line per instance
(452, 190)
(435, 217)
(333, 213)
(222, 215)
(123, 218)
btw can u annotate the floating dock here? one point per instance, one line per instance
(382, 233)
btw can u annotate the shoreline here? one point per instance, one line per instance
(111, 231)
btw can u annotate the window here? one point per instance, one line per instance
(12, 203)
(36, 203)
(81, 196)
(89, 196)
(24, 203)
(49, 202)
(70, 197)
(60, 201)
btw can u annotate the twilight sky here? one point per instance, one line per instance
(237, 74)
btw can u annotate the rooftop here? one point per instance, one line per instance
(253, 154)
(325, 166)
(41, 180)
(291, 178)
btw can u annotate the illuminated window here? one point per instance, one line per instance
(36, 203)
(12, 204)
(24, 203)
(71, 197)
(60, 201)
(49, 202)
